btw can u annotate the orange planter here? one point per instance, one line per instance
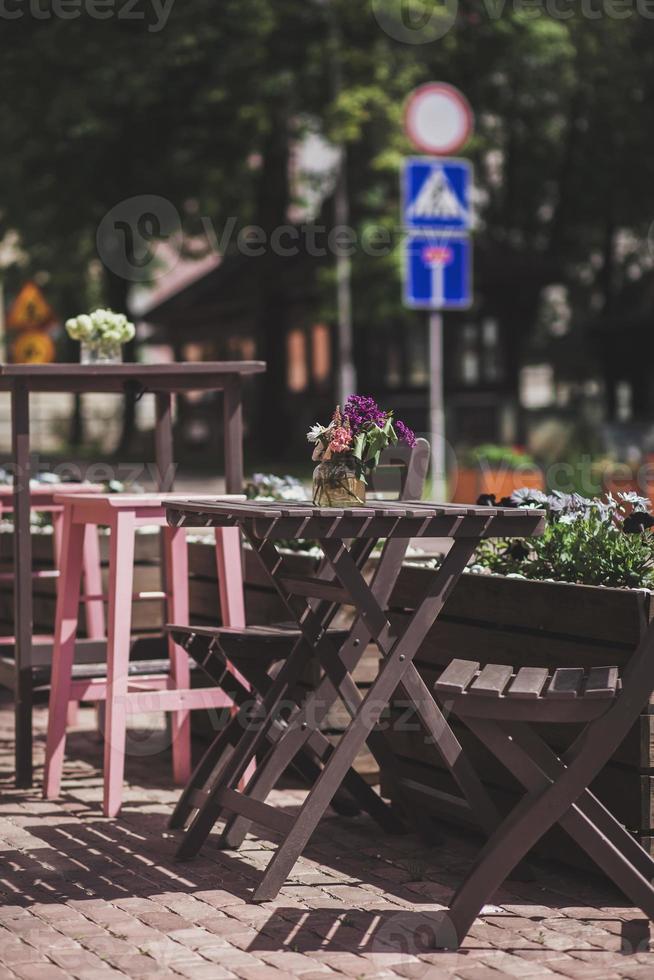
(470, 483)
(622, 478)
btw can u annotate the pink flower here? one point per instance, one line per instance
(341, 440)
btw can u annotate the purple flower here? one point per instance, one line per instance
(405, 434)
(360, 410)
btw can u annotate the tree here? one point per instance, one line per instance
(204, 114)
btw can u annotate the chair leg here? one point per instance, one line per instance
(121, 576)
(57, 535)
(603, 839)
(176, 560)
(95, 623)
(533, 745)
(230, 576)
(205, 773)
(229, 566)
(68, 597)
(531, 818)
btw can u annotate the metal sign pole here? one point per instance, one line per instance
(436, 407)
(437, 201)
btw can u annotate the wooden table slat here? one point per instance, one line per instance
(566, 682)
(492, 680)
(528, 682)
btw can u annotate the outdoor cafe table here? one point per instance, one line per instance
(162, 380)
(347, 538)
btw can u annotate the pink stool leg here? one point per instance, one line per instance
(121, 576)
(68, 596)
(95, 624)
(176, 578)
(230, 576)
(57, 534)
(229, 565)
(94, 608)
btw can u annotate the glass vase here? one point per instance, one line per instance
(92, 352)
(337, 483)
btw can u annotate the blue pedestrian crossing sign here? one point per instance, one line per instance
(437, 272)
(436, 194)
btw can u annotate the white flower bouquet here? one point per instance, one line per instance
(101, 334)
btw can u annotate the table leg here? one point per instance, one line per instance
(337, 681)
(396, 662)
(233, 437)
(163, 441)
(20, 439)
(256, 725)
(412, 685)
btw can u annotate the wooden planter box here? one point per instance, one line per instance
(523, 623)
(470, 482)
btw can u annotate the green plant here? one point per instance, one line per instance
(589, 541)
(492, 455)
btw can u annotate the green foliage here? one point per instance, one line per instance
(500, 456)
(198, 112)
(584, 542)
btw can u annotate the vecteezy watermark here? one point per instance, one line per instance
(59, 474)
(416, 21)
(140, 239)
(410, 935)
(567, 9)
(132, 238)
(424, 21)
(288, 240)
(152, 13)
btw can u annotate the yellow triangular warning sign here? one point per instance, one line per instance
(32, 347)
(29, 309)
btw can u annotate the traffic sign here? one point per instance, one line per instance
(438, 118)
(30, 309)
(436, 194)
(32, 347)
(437, 272)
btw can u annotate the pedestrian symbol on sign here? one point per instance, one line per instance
(436, 199)
(437, 194)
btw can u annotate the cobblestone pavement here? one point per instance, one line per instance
(91, 898)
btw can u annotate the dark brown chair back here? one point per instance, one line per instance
(401, 472)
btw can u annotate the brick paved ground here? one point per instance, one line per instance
(90, 898)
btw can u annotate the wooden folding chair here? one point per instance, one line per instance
(255, 654)
(499, 704)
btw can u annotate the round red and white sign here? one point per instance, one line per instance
(438, 118)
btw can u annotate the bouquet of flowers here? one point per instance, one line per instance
(102, 330)
(348, 449)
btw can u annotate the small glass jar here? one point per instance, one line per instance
(336, 483)
(92, 352)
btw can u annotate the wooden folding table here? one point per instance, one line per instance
(347, 537)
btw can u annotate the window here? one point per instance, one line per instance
(623, 401)
(296, 360)
(321, 353)
(477, 353)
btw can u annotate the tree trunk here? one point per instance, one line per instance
(273, 298)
